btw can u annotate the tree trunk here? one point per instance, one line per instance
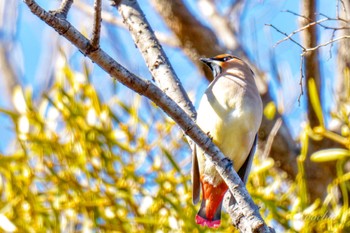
(318, 175)
(343, 80)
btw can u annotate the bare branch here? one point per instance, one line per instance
(283, 33)
(321, 14)
(95, 40)
(154, 55)
(298, 30)
(301, 78)
(296, 14)
(289, 37)
(62, 12)
(329, 18)
(326, 43)
(330, 48)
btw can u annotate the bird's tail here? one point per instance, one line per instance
(209, 213)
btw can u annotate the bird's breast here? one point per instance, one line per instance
(232, 119)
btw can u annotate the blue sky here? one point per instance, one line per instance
(36, 53)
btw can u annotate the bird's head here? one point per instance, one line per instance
(224, 62)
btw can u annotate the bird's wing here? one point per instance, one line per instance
(195, 177)
(245, 169)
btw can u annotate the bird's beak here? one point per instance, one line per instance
(206, 61)
(212, 64)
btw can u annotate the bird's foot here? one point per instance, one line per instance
(228, 163)
(211, 137)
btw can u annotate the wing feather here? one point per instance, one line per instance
(195, 177)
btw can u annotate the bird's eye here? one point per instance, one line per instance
(227, 58)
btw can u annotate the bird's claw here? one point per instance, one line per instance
(229, 163)
(211, 137)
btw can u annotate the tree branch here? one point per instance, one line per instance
(326, 43)
(154, 55)
(62, 12)
(286, 38)
(95, 40)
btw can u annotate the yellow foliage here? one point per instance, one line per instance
(81, 164)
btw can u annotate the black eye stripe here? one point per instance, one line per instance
(224, 59)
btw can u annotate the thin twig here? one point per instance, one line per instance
(283, 33)
(95, 40)
(321, 14)
(337, 9)
(344, 8)
(296, 14)
(302, 47)
(319, 22)
(299, 30)
(301, 78)
(338, 18)
(330, 47)
(325, 44)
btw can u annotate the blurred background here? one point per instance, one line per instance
(80, 152)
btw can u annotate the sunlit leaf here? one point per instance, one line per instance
(270, 110)
(330, 155)
(315, 101)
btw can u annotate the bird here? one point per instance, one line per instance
(230, 112)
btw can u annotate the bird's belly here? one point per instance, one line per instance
(233, 133)
(235, 138)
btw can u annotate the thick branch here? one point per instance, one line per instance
(155, 94)
(154, 55)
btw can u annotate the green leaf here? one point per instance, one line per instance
(330, 155)
(315, 101)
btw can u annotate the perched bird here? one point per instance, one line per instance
(230, 112)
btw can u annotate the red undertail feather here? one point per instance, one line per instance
(209, 213)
